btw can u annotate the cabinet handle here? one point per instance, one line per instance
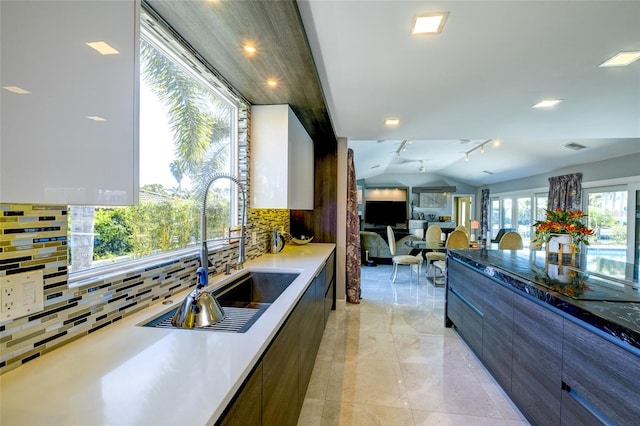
(466, 301)
(586, 404)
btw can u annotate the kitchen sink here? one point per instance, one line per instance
(243, 300)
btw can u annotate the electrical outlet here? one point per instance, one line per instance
(21, 294)
(8, 298)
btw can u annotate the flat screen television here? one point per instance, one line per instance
(385, 212)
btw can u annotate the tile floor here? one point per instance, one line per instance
(391, 361)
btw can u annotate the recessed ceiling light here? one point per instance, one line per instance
(622, 59)
(102, 47)
(547, 103)
(249, 49)
(272, 83)
(95, 118)
(430, 23)
(16, 89)
(391, 121)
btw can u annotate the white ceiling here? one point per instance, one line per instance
(477, 80)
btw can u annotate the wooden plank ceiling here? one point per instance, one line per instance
(217, 31)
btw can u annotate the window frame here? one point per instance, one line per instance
(169, 43)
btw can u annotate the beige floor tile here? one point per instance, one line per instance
(367, 320)
(317, 388)
(311, 414)
(364, 345)
(502, 401)
(390, 361)
(428, 349)
(430, 418)
(367, 382)
(345, 413)
(327, 345)
(447, 388)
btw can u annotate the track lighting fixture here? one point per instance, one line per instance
(480, 147)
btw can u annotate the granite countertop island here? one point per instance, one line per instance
(606, 301)
(128, 374)
(562, 340)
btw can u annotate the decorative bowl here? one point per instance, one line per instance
(302, 240)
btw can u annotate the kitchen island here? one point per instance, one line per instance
(564, 343)
(129, 374)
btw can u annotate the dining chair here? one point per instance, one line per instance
(402, 259)
(457, 240)
(500, 234)
(463, 229)
(433, 233)
(433, 236)
(511, 241)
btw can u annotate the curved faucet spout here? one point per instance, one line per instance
(204, 253)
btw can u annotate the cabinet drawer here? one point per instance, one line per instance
(604, 374)
(497, 332)
(537, 361)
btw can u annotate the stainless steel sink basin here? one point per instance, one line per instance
(254, 289)
(244, 299)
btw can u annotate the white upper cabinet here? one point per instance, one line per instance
(281, 159)
(69, 114)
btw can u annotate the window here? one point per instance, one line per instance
(507, 213)
(607, 216)
(523, 213)
(542, 201)
(188, 132)
(495, 217)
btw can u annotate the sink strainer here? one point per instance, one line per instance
(236, 320)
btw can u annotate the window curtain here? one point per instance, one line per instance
(353, 234)
(485, 204)
(565, 192)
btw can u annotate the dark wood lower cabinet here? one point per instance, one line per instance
(280, 378)
(574, 412)
(310, 319)
(246, 409)
(537, 361)
(557, 369)
(468, 301)
(274, 393)
(604, 376)
(497, 332)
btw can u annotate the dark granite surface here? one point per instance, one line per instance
(610, 304)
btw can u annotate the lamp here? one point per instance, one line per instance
(474, 226)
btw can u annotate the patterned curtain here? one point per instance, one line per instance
(565, 192)
(485, 204)
(353, 234)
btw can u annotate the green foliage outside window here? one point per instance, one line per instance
(154, 227)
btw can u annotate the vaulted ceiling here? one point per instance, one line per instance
(345, 66)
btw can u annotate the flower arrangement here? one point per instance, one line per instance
(568, 222)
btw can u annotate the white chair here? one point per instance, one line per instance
(403, 259)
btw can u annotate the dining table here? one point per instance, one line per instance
(423, 247)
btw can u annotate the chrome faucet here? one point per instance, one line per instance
(204, 253)
(201, 309)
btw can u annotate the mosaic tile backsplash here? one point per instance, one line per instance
(34, 237)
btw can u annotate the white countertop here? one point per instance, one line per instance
(127, 374)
